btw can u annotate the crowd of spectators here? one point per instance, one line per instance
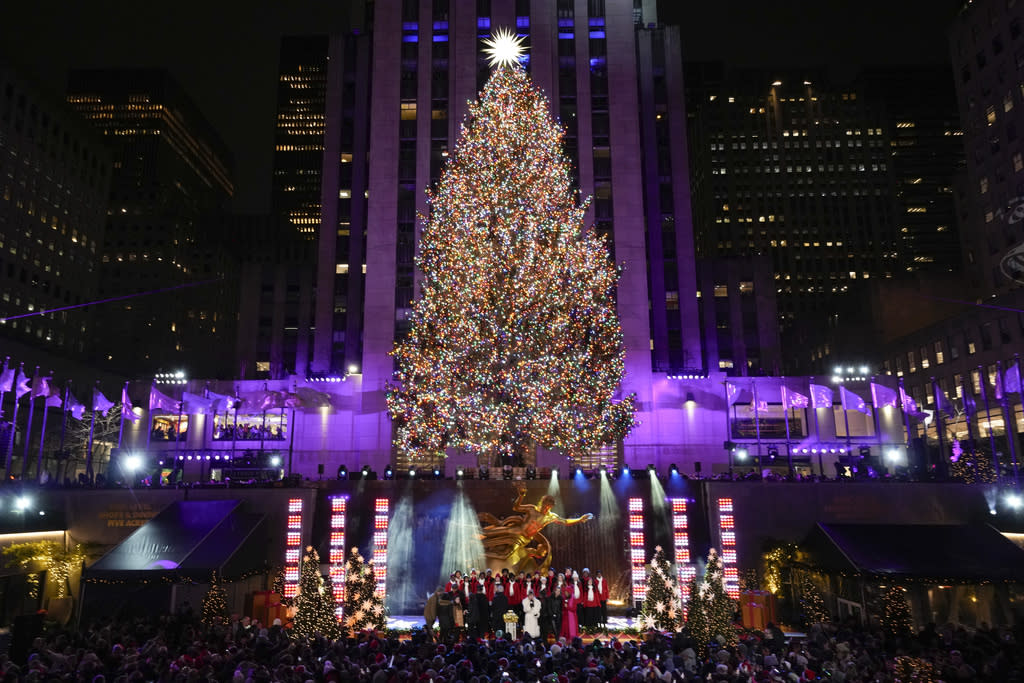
(248, 431)
(175, 649)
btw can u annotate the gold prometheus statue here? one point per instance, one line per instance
(516, 541)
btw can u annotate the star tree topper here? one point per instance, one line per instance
(504, 48)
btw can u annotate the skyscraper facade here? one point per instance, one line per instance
(54, 178)
(837, 183)
(397, 93)
(299, 132)
(987, 49)
(171, 175)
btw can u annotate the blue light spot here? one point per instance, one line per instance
(441, 25)
(522, 22)
(483, 22)
(596, 21)
(566, 36)
(411, 39)
(565, 23)
(410, 26)
(597, 34)
(443, 38)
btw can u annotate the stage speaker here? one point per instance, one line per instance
(696, 466)
(320, 468)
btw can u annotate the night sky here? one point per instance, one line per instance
(225, 52)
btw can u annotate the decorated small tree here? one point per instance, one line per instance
(278, 587)
(661, 609)
(710, 610)
(214, 611)
(314, 605)
(364, 609)
(812, 603)
(896, 620)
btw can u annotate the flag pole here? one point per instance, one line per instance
(64, 418)
(263, 425)
(9, 464)
(42, 440)
(149, 416)
(846, 426)
(92, 431)
(757, 425)
(1011, 430)
(28, 427)
(1013, 441)
(120, 429)
(7, 362)
(940, 428)
(817, 433)
(789, 445)
(972, 442)
(877, 418)
(234, 430)
(988, 422)
(728, 424)
(903, 409)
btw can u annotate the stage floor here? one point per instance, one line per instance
(405, 622)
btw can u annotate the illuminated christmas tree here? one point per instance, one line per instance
(812, 603)
(661, 609)
(710, 610)
(515, 340)
(364, 608)
(314, 605)
(214, 610)
(896, 619)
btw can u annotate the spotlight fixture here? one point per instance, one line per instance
(865, 451)
(691, 400)
(578, 473)
(437, 474)
(484, 473)
(412, 472)
(625, 470)
(506, 472)
(531, 472)
(673, 470)
(651, 470)
(366, 471)
(460, 473)
(773, 452)
(1014, 501)
(389, 473)
(742, 453)
(554, 473)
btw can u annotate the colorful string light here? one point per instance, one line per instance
(685, 570)
(727, 534)
(292, 547)
(336, 558)
(381, 507)
(515, 339)
(637, 550)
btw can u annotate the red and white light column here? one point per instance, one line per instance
(292, 547)
(727, 533)
(339, 510)
(637, 551)
(681, 540)
(380, 544)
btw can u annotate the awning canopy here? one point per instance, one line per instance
(969, 553)
(187, 540)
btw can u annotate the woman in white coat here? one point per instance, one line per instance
(531, 612)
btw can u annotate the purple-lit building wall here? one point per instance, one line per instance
(396, 93)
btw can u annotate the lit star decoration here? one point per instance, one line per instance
(515, 340)
(504, 48)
